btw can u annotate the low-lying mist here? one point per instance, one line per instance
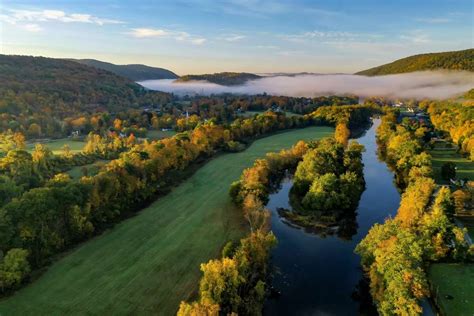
(417, 85)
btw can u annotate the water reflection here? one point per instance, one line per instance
(319, 274)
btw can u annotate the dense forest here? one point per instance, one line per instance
(328, 181)
(135, 72)
(222, 78)
(456, 60)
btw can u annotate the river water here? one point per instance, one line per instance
(318, 274)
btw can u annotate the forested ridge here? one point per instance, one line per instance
(46, 91)
(135, 72)
(456, 60)
(222, 78)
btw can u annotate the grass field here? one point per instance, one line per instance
(465, 168)
(453, 285)
(92, 169)
(56, 145)
(149, 263)
(154, 134)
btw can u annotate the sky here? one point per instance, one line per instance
(259, 36)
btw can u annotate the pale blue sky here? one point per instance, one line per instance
(199, 36)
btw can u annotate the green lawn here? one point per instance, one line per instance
(56, 145)
(456, 281)
(154, 134)
(149, 263)
(465, 167)
(92, 169)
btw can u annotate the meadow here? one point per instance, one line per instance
(453, 287)
(56, 145)
(155, 134)
(92, 169)
(150, 262)
(465, 168)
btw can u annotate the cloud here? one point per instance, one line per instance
(267, 47)
(433, 20)
(18, 16)
(198, 41)
(416, 37)
(162, 33)
(328, 36)
(262, 9)
(32, 28)
(418, 85)
(233, 38)
(145, 32)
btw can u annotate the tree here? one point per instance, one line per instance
(67, 151)
(322, 194)
(220, 284)
(255, 213)
(198, 309)
(34, 130)
(342, 134)
(14, 268)
(448, 171)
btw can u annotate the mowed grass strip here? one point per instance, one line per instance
(453, 286)
(149, 263)
(92, 169)
(156, 134)
(465, 167)
(56, 145)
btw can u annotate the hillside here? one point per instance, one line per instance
(135, 72)
(45, 91)
(456, 60)
(222, 78)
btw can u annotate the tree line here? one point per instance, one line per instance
(57, 213)
(395, 254)
(456, 119)
(237, 282)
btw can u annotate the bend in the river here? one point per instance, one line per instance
(317, 275)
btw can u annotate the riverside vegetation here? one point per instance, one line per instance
(396, 254)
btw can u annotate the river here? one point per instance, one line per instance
(316, 274)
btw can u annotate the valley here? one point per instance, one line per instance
(151, 262)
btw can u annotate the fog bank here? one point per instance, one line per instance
(418, 85)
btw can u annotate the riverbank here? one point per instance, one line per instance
(319, 274)
(150, 262)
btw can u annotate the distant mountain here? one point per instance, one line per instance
(456, 60)
(135, 72)
(222, 78)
